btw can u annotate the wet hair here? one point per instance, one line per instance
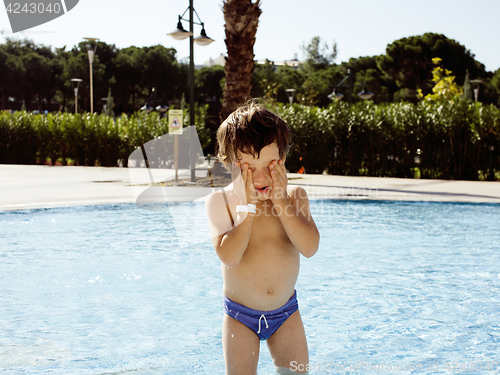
(249, 129)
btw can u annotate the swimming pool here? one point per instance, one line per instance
(116, 289)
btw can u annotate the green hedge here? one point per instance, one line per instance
(382, 140)
(88, 139)
(362, 139)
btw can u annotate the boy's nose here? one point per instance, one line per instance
(261, 175)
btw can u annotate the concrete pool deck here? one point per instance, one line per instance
(33, 186)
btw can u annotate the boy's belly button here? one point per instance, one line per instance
(270, 291)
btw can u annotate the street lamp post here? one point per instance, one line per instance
(476, 89)
(91, 53)
(491, 174)
(365, 94)
(180, 34)
(76, 84)
(290, 93)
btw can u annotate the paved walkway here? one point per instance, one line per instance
(31, 186)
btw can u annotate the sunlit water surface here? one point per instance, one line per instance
(115, 289)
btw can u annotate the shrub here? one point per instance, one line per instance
(451, 138)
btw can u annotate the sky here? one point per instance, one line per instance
(359, 27)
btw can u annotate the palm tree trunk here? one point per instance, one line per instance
(242, 18)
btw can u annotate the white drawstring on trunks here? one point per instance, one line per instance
(262, 316)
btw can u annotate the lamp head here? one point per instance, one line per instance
(90, 41)
(365, 94)
(76, 84)
(335, 95)
(146, 108)
(162, 108)
(290, 93)
(203, 39)
(180, 33)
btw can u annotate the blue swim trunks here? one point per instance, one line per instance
(263, 323)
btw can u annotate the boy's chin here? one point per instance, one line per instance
(263, 198)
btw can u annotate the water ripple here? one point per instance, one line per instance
(114, 289)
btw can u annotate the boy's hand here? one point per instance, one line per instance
(280, 181)
(244, 188)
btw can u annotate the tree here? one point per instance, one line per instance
(38, 76)
(445, 87)
(209, 84)
(128, 73)
(495, 82)
(289, 78)
(76, 65)
(162, 71)
(12, 68)
(467, 88)
(408, 61)
(137, 70)
(110, 103)
(265, 81)
(30, 73)
(317, 55)
(242, 18)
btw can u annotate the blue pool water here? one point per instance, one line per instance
(114, 289)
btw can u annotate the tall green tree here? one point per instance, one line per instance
(30, 72)
(129, 65)
(162, 71)
(76, 65)
(209, 84)
(495, 83)
(467, 88)
(38, 74)
(138, 70)
(409, 62)
(11, 68)
(265, 80)
(366, 74)
(318, 55)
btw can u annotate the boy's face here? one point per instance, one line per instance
(261, 173)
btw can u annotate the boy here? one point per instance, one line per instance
(259, 228)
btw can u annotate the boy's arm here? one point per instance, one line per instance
(230, 242)
(296, 218)
(231, 245)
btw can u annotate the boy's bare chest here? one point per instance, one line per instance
(267, 228)
(270, 255)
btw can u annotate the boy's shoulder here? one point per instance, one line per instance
(297, 192)
(222, 197)
(294, 189)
